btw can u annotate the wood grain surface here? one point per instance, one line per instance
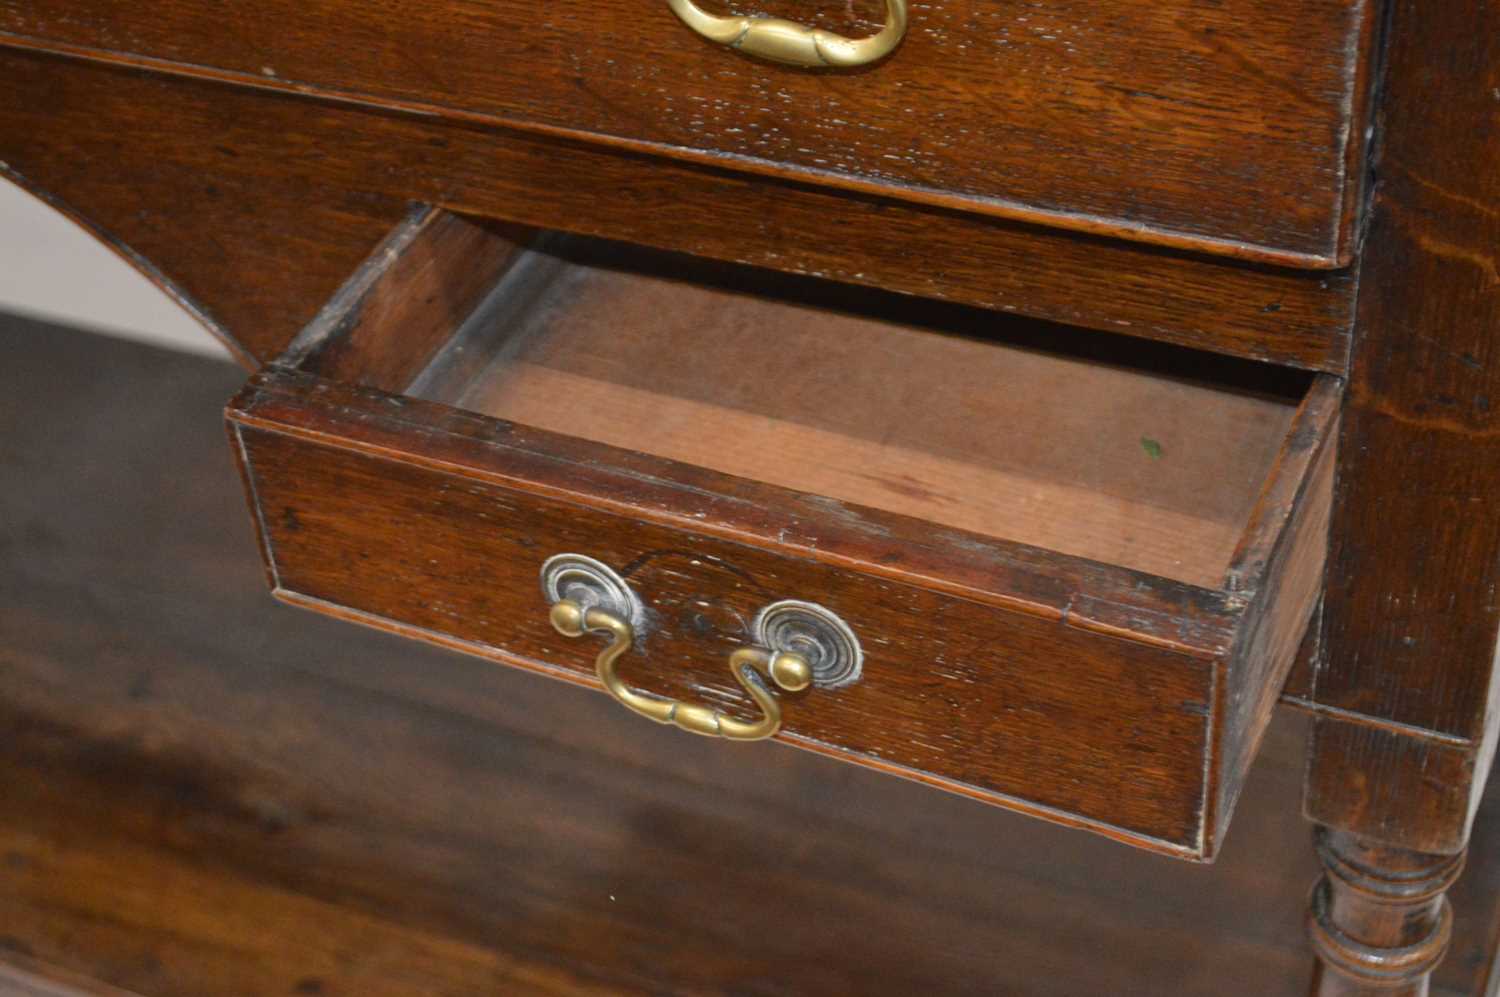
(1408, 684)
(1233, 127)
(213, 183)
(253, 246)
(1379, 919)
(207, 795)
(434, 521)
(1280, 568)
(428, 274)
(1002, 705)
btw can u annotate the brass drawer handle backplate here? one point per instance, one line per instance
(797, 644)
(792, 43)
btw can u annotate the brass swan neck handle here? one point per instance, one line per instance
(792, 43)
(749, 665)
(793, 644)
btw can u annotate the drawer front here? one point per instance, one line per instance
(1231, 127)
(998, 704)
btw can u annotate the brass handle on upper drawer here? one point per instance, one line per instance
(792, 43)
(796, 644)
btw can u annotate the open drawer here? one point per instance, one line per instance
(1047, 569)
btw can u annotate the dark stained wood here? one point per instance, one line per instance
(284, 185)
(1298, 690)
(1474, 957)
(434, 522)
(1282, 562)
(1401, 682)
(1406, 684)
(1092, 596)
(1092, 713)
(211, 326)
(235, 799)
(1232, 127)
(1380, 920)
(389, 320)
(251, 246)
(1393, 781)
(206, 794)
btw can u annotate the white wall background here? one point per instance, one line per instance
(52, 269)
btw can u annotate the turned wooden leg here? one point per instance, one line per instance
(1379, 917)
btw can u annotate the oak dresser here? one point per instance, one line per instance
(1017, 397)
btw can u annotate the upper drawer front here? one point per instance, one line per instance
(1230, 126)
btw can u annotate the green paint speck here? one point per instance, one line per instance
(1153, 449)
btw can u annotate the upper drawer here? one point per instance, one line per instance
(1232, 127)
(1078, 578)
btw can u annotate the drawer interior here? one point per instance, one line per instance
(1142, 456)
